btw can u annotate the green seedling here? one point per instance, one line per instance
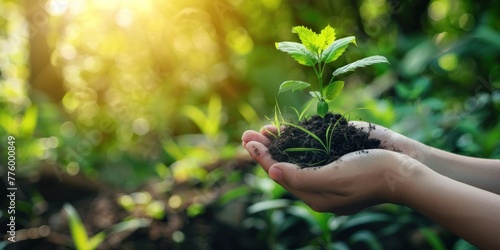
(82, 241)
(316, 51)
(326, 145)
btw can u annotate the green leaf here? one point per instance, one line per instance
(96, 240)
(268, 205)
(359, 64)
(304, 150)
(336, 49)
(432, 238)
(308, 38)
(299, 52)
(307, 132)
(325, 38)
(234, 194)
(315, 94)
(368, 238)
(28, 123)
(78, 231)
(333, 90)
(124, 226)
(365, 220)
(293, 85)
(322, 108)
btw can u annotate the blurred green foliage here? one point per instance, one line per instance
(128, 93)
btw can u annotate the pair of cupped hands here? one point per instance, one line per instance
(355, 181)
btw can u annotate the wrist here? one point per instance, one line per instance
(403, 175)
(418, 175)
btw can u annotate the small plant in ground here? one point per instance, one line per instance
(316, 51)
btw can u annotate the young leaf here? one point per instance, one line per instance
(293, 85)
(322, 108)
(326, 37)
(299, 52)
(333, 90)
(359, 64)
(336, 49)
(308, 38)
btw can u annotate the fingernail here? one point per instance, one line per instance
(275, 173)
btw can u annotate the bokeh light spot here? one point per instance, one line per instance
(178, 236)
(73, 168)
(56, 7)
(271, 4)
(68, 52)
(141, 198)
(437, 10)
(140, 126)
(175, 201)
(239, 40)
(124, 17)
(44, 231)
(52, 142)
(467, 22)
(448, 62)
(126, 202)
(68, 129)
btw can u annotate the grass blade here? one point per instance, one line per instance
(78, 231)
(305, 150)
(307, 132)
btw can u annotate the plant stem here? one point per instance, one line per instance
(319, 74)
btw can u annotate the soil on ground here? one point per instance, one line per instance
(345, 139)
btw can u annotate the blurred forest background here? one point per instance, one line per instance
(128, 115)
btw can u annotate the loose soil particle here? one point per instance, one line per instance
(346, 139)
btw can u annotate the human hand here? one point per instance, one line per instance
(348, 185)
(394, 141)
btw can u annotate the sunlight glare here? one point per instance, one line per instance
(124, 17)
(56, 7)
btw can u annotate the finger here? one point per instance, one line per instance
(261, 154)
(372, 129)
(317, 195)
(251, 135)
(338, 204)
(334, 177)
(375, 131)
(278, 172)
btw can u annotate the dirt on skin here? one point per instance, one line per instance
(345, 139)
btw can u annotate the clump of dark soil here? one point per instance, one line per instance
(345, 139)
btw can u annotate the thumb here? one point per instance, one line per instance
(292, 176)
(276, 171)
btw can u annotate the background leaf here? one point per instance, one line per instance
(78, 231)
(268, 205)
